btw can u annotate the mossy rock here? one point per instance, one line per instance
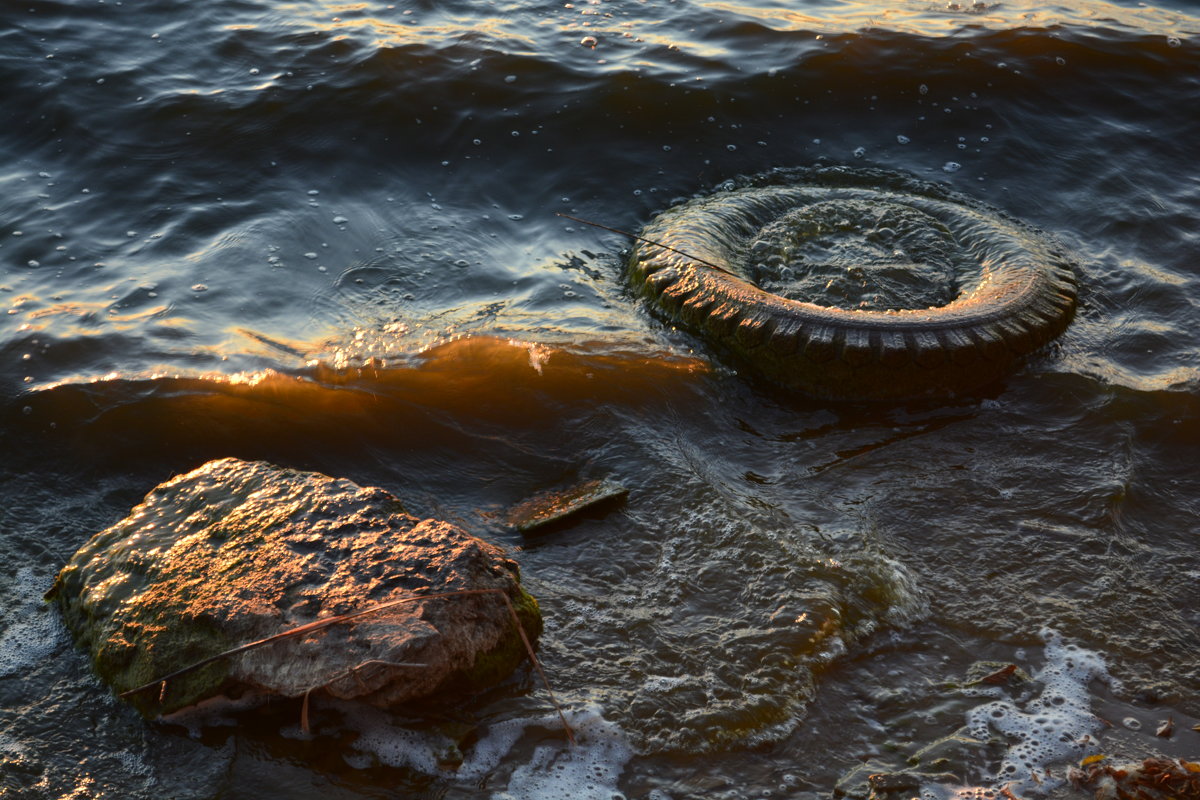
(235, 552)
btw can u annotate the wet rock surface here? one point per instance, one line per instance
(548, 509)
(237, 551)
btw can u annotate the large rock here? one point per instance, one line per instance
(234, 552)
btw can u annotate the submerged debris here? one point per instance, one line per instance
(1153, 779)
(550, 507)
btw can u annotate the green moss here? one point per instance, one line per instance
(493, 666)
(128, 652)
(126, 666)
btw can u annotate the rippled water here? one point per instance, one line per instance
(323, 235)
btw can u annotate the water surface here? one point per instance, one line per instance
(324, 235)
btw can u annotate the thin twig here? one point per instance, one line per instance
(306, 628)
(324, 623)
(538, 666)
(649, 241)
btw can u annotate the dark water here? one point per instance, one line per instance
(323, 235)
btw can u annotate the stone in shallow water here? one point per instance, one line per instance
(237, 551)
(550, 507)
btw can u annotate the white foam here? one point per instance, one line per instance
(36, 631)
(588, 770)
(390, 744)
(10, 745)
(1056, 727)
(661, 684)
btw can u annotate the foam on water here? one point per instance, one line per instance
(1054, 727)
(35, 632)
(588, 770)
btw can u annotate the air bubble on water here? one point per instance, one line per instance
(923, 89)
(310, 255)
(516, 217)
(1173, 41)
(254, 70)
(859, 152)
(901, 139)
(637, 192)
(510, 78)
(816, 141)
(731, 147)
(476, 141)
(666, 148)
(1060, 60)
(516, 133)
(1132, 723)
(322, 268)
(962, 146)
(313, 192)
(199, 287)
(339, 220)
(34, 263)
(951, 166)
(130, 234)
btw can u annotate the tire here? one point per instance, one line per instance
(1022, 296)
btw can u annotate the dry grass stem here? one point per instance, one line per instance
(309, 627)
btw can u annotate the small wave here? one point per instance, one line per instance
(490, 380)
